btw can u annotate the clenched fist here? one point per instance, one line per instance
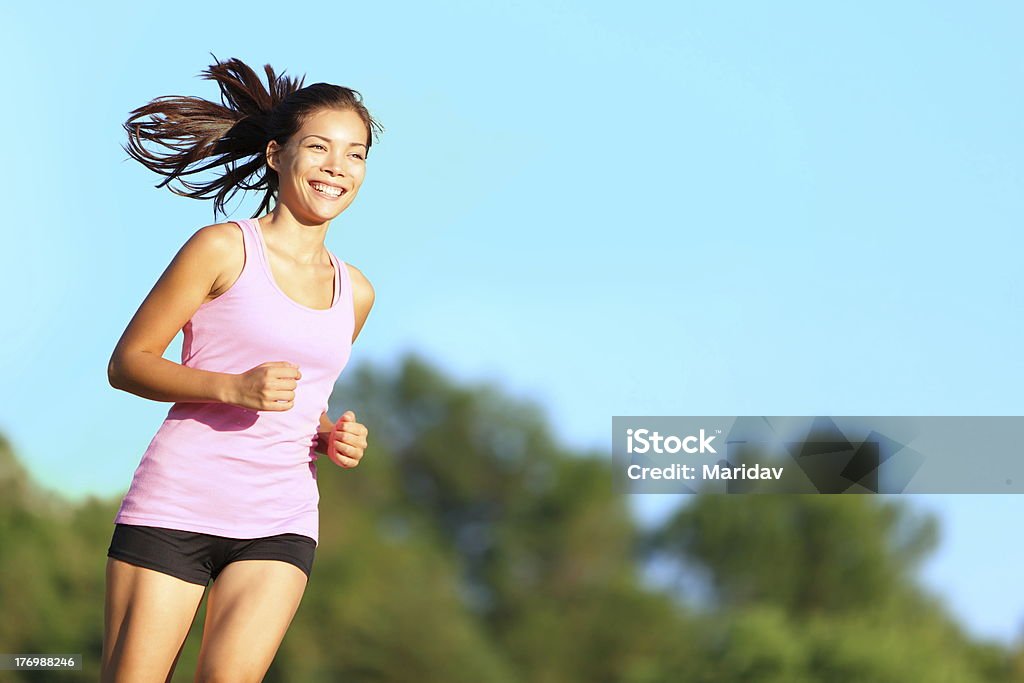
(347, 441)
(268, 386)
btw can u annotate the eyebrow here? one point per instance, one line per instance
(314, 135)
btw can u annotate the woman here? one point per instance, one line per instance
(227, 488)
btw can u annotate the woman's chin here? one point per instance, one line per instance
(320, 214)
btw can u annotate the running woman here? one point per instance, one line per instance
(227, 488)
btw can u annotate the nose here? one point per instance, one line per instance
(334, 167)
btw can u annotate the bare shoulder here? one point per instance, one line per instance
(219, 238)
(362, 297)
(228, 231)
(362, 290)
(214, 242)
(222, 247)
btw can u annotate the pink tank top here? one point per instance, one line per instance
(220, 469)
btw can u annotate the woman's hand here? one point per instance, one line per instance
(347, 441)
(268, 386)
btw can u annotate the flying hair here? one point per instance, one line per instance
(197, 135)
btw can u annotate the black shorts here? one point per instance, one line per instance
(196, 557)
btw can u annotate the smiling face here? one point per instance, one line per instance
(322, 166)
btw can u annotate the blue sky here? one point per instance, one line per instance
(660, 208)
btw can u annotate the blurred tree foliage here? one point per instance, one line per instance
(471, 546)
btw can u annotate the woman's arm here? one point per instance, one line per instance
(137, 364)
(362, 298)
(168, 381)
(362, 301)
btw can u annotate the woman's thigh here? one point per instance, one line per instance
(248, 611)
(147, 616)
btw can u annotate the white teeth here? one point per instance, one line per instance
(326, 189)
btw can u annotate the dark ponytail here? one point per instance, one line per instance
(233, 134)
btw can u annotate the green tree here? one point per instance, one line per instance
(819, 588)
